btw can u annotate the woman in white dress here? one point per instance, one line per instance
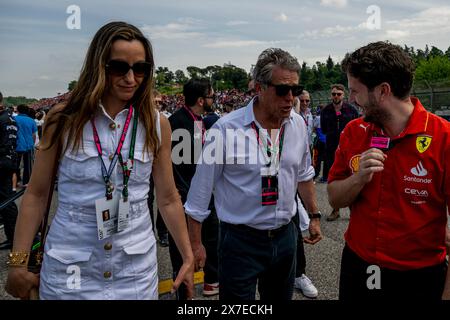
(112, 140)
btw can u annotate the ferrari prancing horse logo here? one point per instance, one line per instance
(423, 143)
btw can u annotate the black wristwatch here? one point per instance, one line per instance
(317, 215)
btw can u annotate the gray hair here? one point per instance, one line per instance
(270, 58)
(304, 92)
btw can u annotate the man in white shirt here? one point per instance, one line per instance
(260, 161)
(306, 114)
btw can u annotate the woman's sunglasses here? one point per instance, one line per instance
(283, 89)
(121, 68)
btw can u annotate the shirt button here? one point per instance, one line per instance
(107, 274)
(111, 156)
(112, 126)
(108, 246)
(118, 126)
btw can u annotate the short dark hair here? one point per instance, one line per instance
(338, 86)
(194, 89)
(22, 108)
(380, 62)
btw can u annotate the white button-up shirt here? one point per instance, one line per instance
(236, 180)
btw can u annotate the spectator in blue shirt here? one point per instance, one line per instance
(26, 136)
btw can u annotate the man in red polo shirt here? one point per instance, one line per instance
(392, 169)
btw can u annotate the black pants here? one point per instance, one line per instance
(9, 214)
(27, 157)
(210, 237)
(248, 257)
(320, 146)
(300, 267)
(330, 150)
(419, 284)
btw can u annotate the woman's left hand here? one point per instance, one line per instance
(186, 275)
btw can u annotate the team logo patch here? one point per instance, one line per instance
(354, 163)
(423, 143)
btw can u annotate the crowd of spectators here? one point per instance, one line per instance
(225, 101)
(46, 103)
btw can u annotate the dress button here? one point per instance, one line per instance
(107, 274)
(112, 126)
(111, 156)
(107, 246)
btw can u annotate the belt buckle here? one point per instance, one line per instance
(271, 233)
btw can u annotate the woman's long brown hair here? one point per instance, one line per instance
(84, 100)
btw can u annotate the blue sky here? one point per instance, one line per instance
(39, 55)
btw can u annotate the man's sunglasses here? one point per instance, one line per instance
(304, 100)
(336, 94)
(121, 68)
(283, 89)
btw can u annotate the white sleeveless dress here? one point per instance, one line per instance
(76, 264)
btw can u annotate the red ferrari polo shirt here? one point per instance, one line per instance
(399, 220)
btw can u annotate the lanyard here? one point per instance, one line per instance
(126, 170)
(200, 127)
(304, 118)
(106, 174)
(279, 140)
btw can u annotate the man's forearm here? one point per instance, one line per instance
(308, 194)
(195, 231)
(342, 193)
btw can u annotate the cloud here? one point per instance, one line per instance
(396, 34)
(281, 17)
(333, 3)
(425, 23)
(44, 77)
(431, 21)
(185, 28)
(235, 44)
(329, 32)
(236, 23)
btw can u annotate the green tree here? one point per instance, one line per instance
(194, 72)
(426, 52)
(434, 69)
(164, 76)
(180, 78)
(15, 101)
(447, 53)
(330, 63)
(230, 77)
(435, 52)
(72, 85)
